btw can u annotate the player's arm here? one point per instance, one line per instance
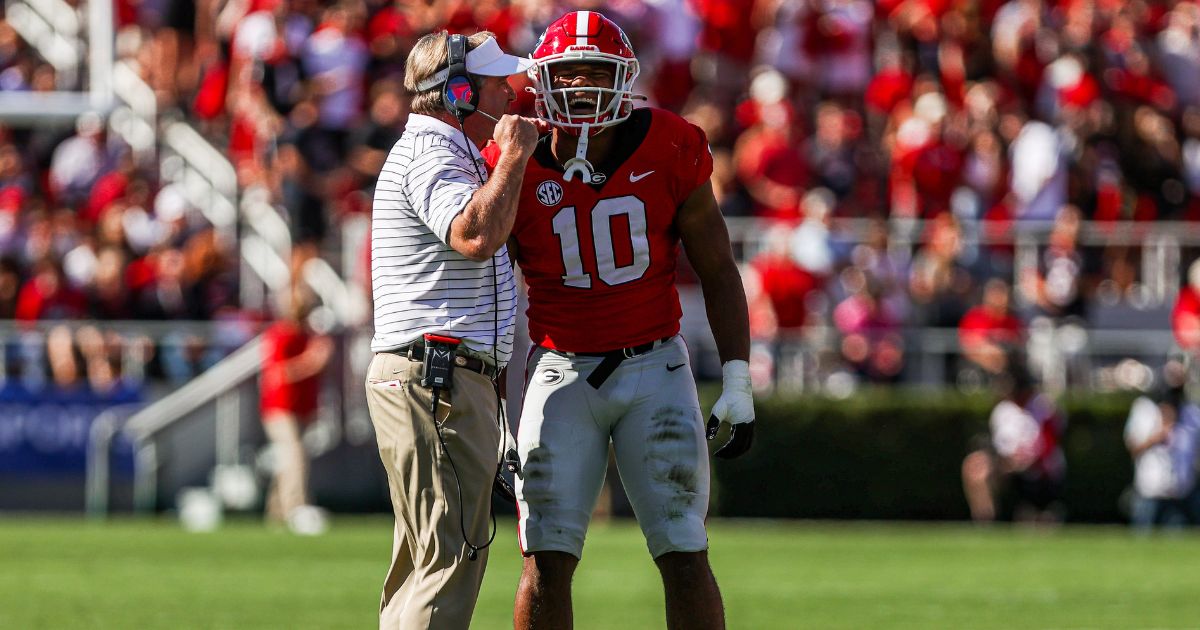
(706, 241)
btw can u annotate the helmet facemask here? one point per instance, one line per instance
(583, 37)
(584, 110)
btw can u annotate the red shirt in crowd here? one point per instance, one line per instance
(1140, 87)
(210, 95)
(12, 199)
(389, 22)
(108, 188)
(786, 286)
(1185, 319)
(769, 157)
(983, 324)
(727, 27)
(888, 89)
(283, 341)
(937, 173)
(47, 296)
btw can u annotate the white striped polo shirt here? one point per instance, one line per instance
(420, 284)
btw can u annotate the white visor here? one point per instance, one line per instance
(486, 59)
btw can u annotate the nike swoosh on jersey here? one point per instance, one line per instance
(672, 368)
(637, 178)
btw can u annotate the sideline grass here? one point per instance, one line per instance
(62, 573)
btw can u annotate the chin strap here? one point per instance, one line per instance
(579, 163)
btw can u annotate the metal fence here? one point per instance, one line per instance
(1062, 358)
(157, 355)
(1163, 248)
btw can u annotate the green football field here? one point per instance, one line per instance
(61, 573)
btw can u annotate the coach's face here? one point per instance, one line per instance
(494, 96)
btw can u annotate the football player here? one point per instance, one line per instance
(608, 197)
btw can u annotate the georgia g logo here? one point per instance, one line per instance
(549, 193)
(459, 90)
(551, 376)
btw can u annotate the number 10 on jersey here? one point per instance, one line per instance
(602, 242)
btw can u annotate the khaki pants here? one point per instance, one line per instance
(289, 484)
(431, 583)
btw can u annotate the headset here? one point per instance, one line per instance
(459, 93)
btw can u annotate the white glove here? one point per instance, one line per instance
(735, 406)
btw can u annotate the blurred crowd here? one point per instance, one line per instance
(970, 116)
(89, 233)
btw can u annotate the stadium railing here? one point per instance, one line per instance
(208, 179)
(137, 343)
(1165, 246)
(1065, 358)
(54, 29)
(135, 115)
(217, 403)
(98, 480)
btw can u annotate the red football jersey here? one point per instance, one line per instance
(599, 258)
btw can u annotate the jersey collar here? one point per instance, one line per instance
(628, 137)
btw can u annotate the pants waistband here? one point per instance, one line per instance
(416, 352)
(625, 353)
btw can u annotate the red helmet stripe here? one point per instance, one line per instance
(581, 27)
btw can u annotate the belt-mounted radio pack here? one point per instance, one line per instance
(439, 363)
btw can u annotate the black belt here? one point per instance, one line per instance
(416, 352)
(613, 359)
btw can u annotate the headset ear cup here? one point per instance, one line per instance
(460, 95)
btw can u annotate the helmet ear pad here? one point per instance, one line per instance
(460, 95)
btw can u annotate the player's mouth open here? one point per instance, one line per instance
(581, 105)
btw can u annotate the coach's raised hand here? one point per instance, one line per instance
(518, 135)
(735, 406)
(484, 225)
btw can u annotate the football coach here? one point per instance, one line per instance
(445, 305)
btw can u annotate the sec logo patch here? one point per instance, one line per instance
(549, 192)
